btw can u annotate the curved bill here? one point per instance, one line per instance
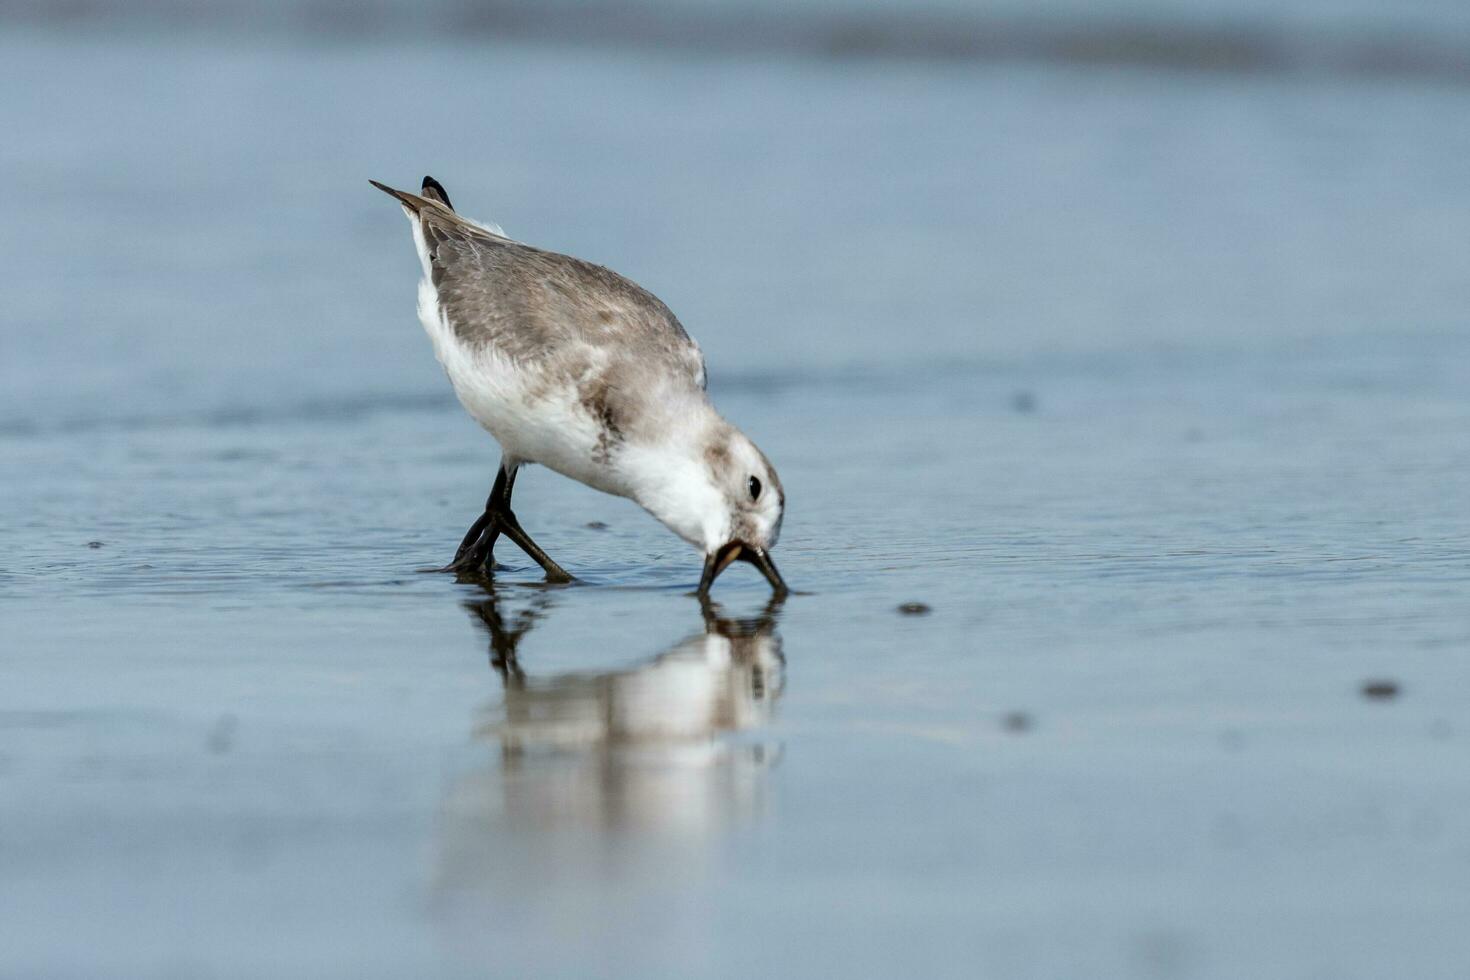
(727, 554)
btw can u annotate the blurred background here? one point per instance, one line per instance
(1127, 337)
(834, 185)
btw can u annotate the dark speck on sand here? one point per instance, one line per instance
(1016, 722)
(222, 735)
(1382, 690)
(1023, 402)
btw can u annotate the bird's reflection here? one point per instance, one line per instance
(725, 678)
(611, 774)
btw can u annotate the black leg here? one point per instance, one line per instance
(477, 551)
(513, 530)
(471, 536)
(500, 491)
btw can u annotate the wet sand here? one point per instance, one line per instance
(1151, 388)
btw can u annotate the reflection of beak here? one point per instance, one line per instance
(726, 554)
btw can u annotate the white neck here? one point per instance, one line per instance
(672, 480)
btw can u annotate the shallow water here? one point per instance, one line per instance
(1152, 387)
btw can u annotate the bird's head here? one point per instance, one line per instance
(723, 497)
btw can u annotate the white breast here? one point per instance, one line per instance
(536, 418)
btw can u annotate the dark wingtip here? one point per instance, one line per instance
(434, 190)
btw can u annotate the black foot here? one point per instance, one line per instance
(476, 557)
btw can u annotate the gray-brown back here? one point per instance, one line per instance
(532, 305)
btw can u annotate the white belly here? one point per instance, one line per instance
(533, 417)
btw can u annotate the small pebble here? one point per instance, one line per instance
(914, 609)
(1016, 721)
(1380, 690)
(94, 545)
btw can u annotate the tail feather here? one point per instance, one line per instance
(433, 208)
(411, 201)
(433, 193)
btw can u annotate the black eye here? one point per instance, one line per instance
(755, 488)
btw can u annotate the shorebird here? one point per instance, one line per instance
(572, 366)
